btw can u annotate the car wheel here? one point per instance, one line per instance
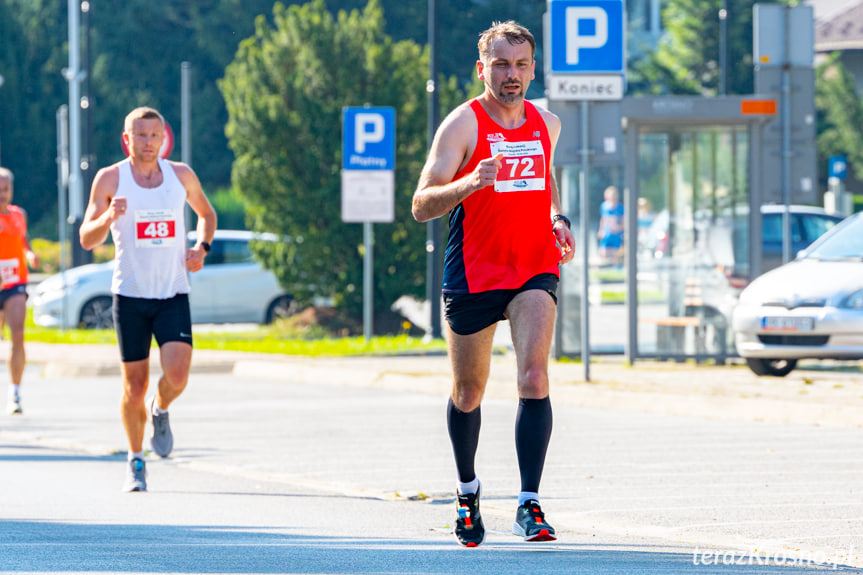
(776, 367)
(97, 314)
(281, 307)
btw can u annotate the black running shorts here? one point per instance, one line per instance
(9, 292)
(468, 313)
(137, 320)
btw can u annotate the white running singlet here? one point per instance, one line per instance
(150, 238)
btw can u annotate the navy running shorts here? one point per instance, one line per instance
(137, 320)
(468, 313)
(9, 292)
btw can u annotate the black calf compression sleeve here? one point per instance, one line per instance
(464, 435)
(532, 433)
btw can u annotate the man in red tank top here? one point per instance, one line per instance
(15, 256)
(490, 167)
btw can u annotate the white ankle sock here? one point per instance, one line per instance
(469, 487)
(156, 409)
(15, 389)
(139, 455)
(527, 495)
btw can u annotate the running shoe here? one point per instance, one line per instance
(136, 476)
(469, 529)
(15, 404)
(530, 523)
(162, 440)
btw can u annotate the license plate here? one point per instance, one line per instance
(787, 323)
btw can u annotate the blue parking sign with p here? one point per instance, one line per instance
(369, 138)
(587, 36)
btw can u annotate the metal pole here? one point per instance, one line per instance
(584, 208)
(786, 137)
(723, 47)
(62, 182)
(74, 77)
(632, 192)
(186, 125)
(433, 264)
(185, 114)
(368, 284)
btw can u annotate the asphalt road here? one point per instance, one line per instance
(271, 476)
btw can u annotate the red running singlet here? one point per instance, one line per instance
(501, 235)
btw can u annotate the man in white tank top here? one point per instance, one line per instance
(141, 201)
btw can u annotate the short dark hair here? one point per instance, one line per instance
(142, 113)
(514, 33)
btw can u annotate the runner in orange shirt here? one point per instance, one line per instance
(15, 255)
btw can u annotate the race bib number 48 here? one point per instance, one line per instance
(523, 166)
(155, 228)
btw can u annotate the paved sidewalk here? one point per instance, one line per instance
(819, 393)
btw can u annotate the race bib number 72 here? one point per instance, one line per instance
(523, 166)
(155, 228)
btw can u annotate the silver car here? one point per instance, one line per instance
(811, 307)
(231, 288)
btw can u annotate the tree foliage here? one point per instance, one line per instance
(840, 115)
(687, 59)
(136, 51)
(285, 91)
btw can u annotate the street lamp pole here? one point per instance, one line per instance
(433, 264)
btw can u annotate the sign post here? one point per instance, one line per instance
(836, 200)
(587, 63)
(368, 183)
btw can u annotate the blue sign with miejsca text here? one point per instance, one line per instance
(368, 138)
(587, 36)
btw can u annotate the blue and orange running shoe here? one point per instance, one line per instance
(469, 529)
(530, 523)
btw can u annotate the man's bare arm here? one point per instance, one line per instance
(454, 142)
(101, 209)
(203, 209)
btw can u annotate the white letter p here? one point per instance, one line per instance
(575, 41)
(362, 136)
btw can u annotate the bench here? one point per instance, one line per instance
(672, 333)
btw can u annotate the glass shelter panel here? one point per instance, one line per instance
(606, 275)
(692, 239)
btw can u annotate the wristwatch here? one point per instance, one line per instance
(206, 246)
(563, 218)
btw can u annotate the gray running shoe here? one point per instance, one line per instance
(15, 404)
(162, 440)
(136, 476)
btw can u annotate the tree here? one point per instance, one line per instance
(285, 91)
(33, 88)
(839, 114)
(687, 60)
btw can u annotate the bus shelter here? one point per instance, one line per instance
(688, 176)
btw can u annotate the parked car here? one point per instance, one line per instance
(808, 223)
(811, 307)
(231, 288)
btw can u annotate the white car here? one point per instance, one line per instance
(231, 288)
(810, 308)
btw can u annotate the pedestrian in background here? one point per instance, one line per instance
(490, 167)
(611, 227)
(15, 255)
(141, 201)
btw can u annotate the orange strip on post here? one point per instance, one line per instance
(749, 107)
